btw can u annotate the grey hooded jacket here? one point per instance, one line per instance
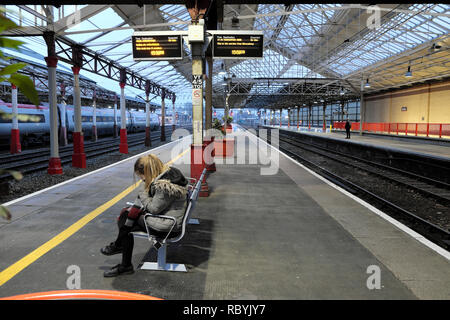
(167, 196)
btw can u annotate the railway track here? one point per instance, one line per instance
(36, 161)
(426, 186)
(429, 187)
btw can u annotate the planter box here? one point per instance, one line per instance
(224, 148)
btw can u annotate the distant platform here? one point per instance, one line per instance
(407, 144)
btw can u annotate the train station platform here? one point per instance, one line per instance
(268, 230)
(407, 144)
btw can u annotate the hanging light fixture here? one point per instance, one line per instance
(342, 92)
(408, 73)
(367, 85)
(435, 47)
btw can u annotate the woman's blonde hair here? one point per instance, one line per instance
(150, 166)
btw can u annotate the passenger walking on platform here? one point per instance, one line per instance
(165, 192)
(348, 126)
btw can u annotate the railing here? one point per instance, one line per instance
(440, 130)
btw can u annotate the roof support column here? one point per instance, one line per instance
(289, 118)
(115, 117)
(15, 146)
(123, 145)
(198, 147)
(94, 117)
(208, 93)
(209, 152)
(148, 140)
(63, 108)
(303, 120)
(163, 115)
(173, 113)
(281, 112)
(324, 120)
(362, 111)
(78, 156)
(54, 166)
(298, 117)
(309, 117)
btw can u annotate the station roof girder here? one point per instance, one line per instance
(325, 40)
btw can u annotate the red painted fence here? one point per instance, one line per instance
(441, 130)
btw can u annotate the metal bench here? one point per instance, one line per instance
(160, 243)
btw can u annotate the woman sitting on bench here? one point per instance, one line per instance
(165, 190)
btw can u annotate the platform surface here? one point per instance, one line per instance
(286, 235)
(405, 144)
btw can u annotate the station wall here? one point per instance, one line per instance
(419, 104)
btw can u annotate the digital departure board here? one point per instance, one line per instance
(157, 47)
(237, 46)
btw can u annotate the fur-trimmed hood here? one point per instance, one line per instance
(172, 189)
(171, 182)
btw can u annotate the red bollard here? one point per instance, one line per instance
(54, 166)
(197, 166)
(123, 146)
(15, 142)
(148, 140)
(78, 156)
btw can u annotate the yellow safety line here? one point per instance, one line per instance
(15, 268)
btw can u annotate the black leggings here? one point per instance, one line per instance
(125, 239)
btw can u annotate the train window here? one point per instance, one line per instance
(86, 119)
(4, 119)
(30, 118)
(33, 118)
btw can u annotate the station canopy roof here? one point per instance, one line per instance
(311, 51)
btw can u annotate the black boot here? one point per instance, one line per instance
(118, 270)
(111, 249)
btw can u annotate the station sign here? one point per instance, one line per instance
(160, 45)
(234, 44)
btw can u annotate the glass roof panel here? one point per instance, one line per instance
(299, 71)
(286, 39)
(404, 31)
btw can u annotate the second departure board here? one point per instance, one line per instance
(157, 47)
(237, 46)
